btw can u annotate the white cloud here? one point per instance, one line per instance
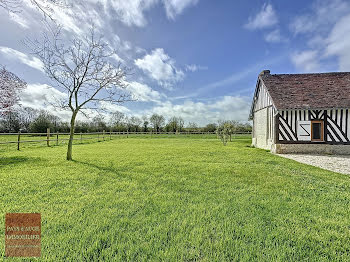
(338, 43)
(20, 20)
(66, 17)
(44, 97)
(143, 92)
(176, 7)
(194, 68)
(327, 32)
(225, 108)
(23, 58)
(110, 107)
(264, 19)
(76, 19)
(67, 20)
(302, 24)
(316, 41)
(307, 61)
(159, 66)
(131, 12)
(323, 14)
(117, 58)
(274, 37)
(41, 97)
(38, 96)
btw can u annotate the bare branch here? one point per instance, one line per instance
(44, 6)
(13, 6)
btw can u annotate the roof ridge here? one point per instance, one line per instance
(300, 74)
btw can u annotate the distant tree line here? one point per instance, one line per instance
(29, 120)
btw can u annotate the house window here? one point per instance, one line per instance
(317, 131)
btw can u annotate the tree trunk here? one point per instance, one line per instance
(71, 136)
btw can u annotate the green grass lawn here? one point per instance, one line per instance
(177, 199)
(8, 142)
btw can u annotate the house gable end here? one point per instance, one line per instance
(261, 99)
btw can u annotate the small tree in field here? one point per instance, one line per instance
(224, 131)
(10, 86)
(84, 71)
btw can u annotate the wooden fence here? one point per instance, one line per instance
(54, 138)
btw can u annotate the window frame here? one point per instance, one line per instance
(322, 130)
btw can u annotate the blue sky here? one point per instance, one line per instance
(198, 59)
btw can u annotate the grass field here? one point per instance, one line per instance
(8, 142)
(177, 199)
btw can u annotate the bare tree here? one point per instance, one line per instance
(98, 123)
(84, 71)
(136, 123)
(27, 116)
(128, 123)
(157, 121)
(145, 123)
(180, 124)
(117, 118)
(44, 6)
(10, 86)
(175, 124)
(192, 126)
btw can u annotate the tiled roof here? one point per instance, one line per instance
(304, 91)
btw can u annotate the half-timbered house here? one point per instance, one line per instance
(302, 113)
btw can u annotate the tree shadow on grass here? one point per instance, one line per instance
(107, 169)
(13, 160)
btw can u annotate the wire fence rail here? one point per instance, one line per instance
(56, 138)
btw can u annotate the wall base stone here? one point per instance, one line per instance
(310, 149)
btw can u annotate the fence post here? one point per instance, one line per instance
(57, 138)
(151, 133)
(110, 135)
(103, 135)
(127, 133)
(19, 138)
(48, 137)
(81, 138)
(98, 136)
